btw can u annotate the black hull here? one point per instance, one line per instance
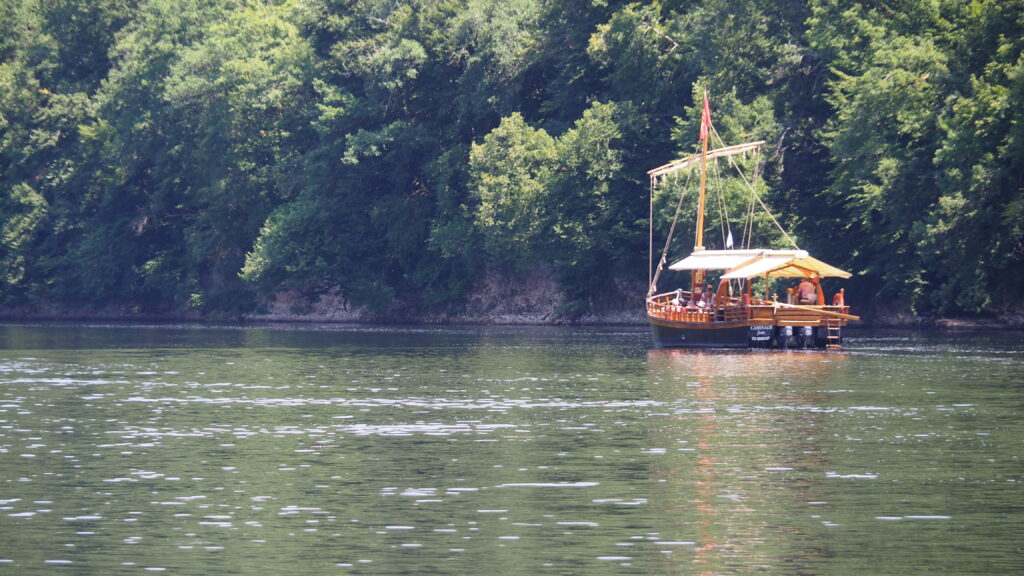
(683, 335)
(702, 337)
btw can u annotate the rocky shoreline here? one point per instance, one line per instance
(1010, 321)
(531, 299)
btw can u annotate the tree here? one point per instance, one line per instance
(390, 151)
(972, 239)
(511, 171)
(882, 140)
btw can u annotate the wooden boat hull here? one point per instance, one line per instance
(693, 335)
(671, 334)
(704, 316)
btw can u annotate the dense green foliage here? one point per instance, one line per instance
(174, 155)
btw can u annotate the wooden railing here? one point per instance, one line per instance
(816, 316)
(733, 310)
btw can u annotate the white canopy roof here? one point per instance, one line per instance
(751, 263)
(717, 259)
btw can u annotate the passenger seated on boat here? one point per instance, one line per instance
(695, 301)
(703, 303)
(807, 293)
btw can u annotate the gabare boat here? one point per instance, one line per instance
(721, 309)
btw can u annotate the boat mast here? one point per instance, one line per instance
(705, 120)
(650, 240)
(673, 167)
(697, 277)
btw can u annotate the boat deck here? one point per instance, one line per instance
(735, 312)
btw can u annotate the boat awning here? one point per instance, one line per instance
(782, 266)
(717, 259)
(752, 263)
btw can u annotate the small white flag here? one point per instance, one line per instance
(728, 241)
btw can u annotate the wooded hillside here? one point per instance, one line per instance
(163, 156)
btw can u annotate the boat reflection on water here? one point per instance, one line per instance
(743, 469)
(757, 365)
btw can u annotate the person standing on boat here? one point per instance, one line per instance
(840, 298)
(807, 292)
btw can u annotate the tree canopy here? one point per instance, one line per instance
(169, 156)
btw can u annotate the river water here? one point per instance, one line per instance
(521, 451)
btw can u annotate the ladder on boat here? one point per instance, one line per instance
(833, 334)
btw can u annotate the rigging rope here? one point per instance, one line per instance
(748, 227)
(668, 241)
(756, 196)
(723, 210)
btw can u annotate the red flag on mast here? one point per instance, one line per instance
(705, 119)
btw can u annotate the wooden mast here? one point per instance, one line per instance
(704, 130)
(650, 242)
(697, 278)
(702, 157)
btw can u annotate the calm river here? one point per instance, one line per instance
(505, 451)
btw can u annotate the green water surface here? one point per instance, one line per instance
(520, 451)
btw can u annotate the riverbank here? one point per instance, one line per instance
(632, 317)
(530, 299)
